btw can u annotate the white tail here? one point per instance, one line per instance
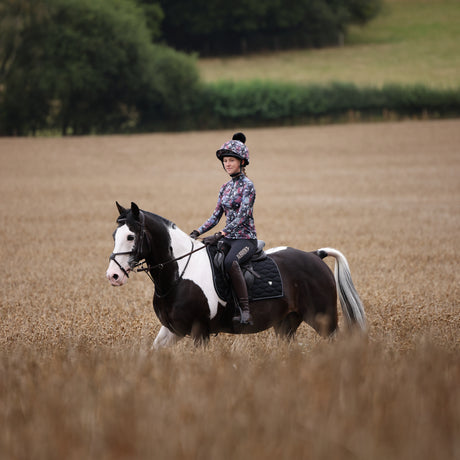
(351, 304)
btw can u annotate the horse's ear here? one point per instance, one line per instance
(121, 209)
(135, 210)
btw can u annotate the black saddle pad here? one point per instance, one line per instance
(267, 282)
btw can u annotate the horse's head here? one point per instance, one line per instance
(129, 244)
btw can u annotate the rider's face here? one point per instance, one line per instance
(232, 165)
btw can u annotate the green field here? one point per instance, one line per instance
(409, 42)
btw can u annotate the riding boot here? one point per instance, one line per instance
(241, 291)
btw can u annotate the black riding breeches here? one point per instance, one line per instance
(239, 250)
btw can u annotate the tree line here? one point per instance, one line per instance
(102, 66)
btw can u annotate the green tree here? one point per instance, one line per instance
(153, 17)
(220, 26)
(20, 99)
(173, 92)
(85, 66)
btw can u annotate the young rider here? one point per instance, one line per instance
(236, 200)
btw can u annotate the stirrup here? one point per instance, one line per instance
(244, 318)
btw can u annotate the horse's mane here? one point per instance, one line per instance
(156, 217)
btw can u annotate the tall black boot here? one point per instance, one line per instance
(241, 291)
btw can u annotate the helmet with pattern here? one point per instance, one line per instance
(235, 148)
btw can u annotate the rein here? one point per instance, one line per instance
(148, 268)
(160, 266)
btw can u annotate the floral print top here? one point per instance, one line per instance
(236, 200)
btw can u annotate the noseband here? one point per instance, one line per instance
(122, 220)
(149, 267)
(113, 257)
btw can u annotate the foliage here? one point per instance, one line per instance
(154, 15)
(18, 54)
(83, 66)
(219, 27)
(259, 103)
(173, 91)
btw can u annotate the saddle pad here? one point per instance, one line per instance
(268, 286)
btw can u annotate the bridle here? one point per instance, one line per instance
(113, 257)
(121, 221)
(139, 266)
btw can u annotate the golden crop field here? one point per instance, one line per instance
(78, 378)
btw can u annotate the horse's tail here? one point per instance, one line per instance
(351, 304)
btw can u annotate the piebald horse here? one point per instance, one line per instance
(187, 303)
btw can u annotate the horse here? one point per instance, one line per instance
(185, 297)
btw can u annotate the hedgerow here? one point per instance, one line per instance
(257, 103)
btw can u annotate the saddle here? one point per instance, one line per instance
(261, 274)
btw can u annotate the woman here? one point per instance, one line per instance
(236, 200)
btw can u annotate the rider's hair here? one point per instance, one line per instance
(242, 138)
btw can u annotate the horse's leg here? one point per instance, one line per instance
(288, 326)
(325, 324)
(310, 288)
(200, 333)
(165, 338)
(321, 306)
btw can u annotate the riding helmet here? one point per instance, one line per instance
(235, 148)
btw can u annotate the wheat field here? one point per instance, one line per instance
(78, 378)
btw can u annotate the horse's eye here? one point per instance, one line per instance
(130, 237)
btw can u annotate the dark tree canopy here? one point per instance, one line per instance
(220, 27)
(82, 66)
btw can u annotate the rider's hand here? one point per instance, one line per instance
(213, 239)
(194, 234)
